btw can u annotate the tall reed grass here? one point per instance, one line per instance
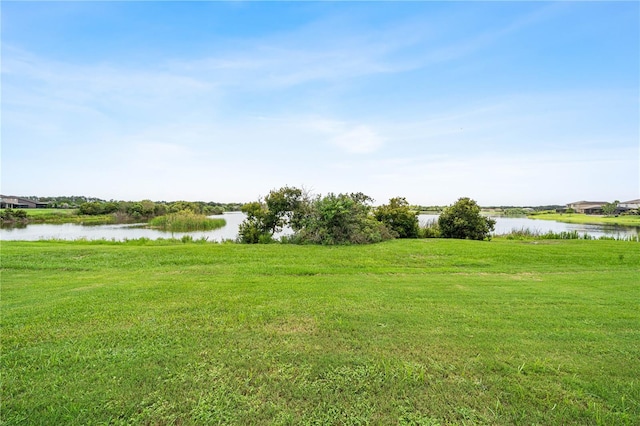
(186, 221)
(529, 234)
(429, 229)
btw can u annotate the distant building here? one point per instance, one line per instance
(630, 205)
(587, 207)
(595, 207)
(11, 202)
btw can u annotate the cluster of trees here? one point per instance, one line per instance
(64, 202)
(147, 209)
(97, 206)
(352, 219)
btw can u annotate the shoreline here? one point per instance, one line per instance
(631, 221)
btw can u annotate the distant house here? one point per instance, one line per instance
(587, 207)
(11, 202)
(630, 205)
(595, 207)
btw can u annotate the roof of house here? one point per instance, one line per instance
(17, 200)
(594, 203)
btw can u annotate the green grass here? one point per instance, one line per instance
(48, 212)
(404, 332)
(628, 220)
(59, 216)
(186, 222)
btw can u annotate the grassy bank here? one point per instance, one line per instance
(60, 216)
(404, 332)
(630, 220)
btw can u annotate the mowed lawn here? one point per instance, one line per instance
(430, 332)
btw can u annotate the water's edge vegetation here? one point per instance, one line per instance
(186, 221)
(94, 212)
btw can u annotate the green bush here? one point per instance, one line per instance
(251, 232)
(342, 219)
(10, 215)
(463, 220)
(399, 218)
(333, 219)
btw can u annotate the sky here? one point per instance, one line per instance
(509, 103)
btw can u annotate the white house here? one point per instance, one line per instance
(630, 205)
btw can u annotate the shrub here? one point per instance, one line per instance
(251, 232)
(342, 219)
(333, 219)
(399, 218)
(463, 220)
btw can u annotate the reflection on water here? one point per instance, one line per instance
(123, 232)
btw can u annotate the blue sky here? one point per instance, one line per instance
(509, 103)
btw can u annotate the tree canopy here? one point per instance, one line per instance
(609, 209)
(332, 219)
(352, 219)
(399, 218)
(463, 220)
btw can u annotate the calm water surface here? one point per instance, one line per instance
(70, 231)
(121, 232)
(505, 225)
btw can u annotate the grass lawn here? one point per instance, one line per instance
(64, 216)
(50, 212)
(404, 332)
(629, 220)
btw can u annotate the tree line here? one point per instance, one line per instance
(352, 219)
(93, 204)
(147, 209)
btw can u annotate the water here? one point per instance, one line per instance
(505, 225)
(70, 231)
(121, 232)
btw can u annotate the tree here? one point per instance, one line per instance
(463, 220)
(609, 209)
(280, 208)
(253, 229)
(399, 218)
(334, 219)
(282, 205)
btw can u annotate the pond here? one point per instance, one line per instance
(123, 232)
(506, 224)
(120, 232)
